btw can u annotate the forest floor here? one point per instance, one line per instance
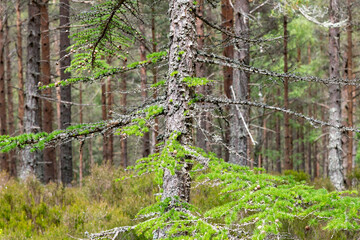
(31, 210)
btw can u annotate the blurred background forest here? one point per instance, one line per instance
(288, 37)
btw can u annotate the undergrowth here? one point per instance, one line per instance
(31, 210)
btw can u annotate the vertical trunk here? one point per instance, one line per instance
(21, 94)
(65, 92)
(49, 153)
(109, 100)
(104, 117)
(154, 72)
(200, 72)
(335, 161)
(10, 101)
(143, 76)
(302, 143)
(324, 145)
(309, 155)
(81, 162)
(288, 141)
(123, 140)
(81, 152)
(238, 135)
(183, 34)
(350, 90)
(31, 160)
(56, 48)
(227, 19)
(278, 138)
(316, 155)
(3, 118)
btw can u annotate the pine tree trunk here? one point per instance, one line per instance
(10, 101)
(21, 93)
(288, 141)
(123, 140)
(82, 142)
(227, 19)
(154, 72)
(238, 134)
(65, 92)
(143, 76)
(32, 160)
(278, 138)
(182, 38)
(49, 152)
(351, 91)
(104, 118)
(309, 155)
(335, 148)
(200, 72)
(110, 138)
(3, 118)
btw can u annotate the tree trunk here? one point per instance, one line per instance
(238, 134)
(110, 138)
(200, 72)
(21, 93)
(227, 19)
(123, 140)
(10, 101)
(49, 152)
(278, 138)
(143, 76)
(3, 117)
(65, 92)
(154, 72)
(182, 38)
(309, 155)
(82, 142)
(335, 161)
(350, 95)
(104, 117)
(31, 160)
(288, 141)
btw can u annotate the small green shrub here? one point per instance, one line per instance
(299, 176)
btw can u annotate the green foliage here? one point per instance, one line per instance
(298, 176)
(139, 126)
(38, 141)
(257, 204)
(195, 81)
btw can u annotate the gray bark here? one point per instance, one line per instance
(335, 151)
(238, 135)
(65, 92)
(30, 160)
(182, 38)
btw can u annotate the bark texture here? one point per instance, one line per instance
(350, 92)
(154, 72)
(48, 113)
(10, 101)
(31, 160)
(227, 19)
(123, 140)
(238, 134)
(182, 38)
(143, 76)
(21, 93)
(65, 92)
(335, 151)
(3, 117)
(288, 141)
(200, 72)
